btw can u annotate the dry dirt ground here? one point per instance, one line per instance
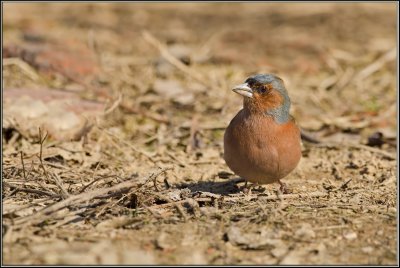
(113, 119)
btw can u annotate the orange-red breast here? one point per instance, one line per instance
(262, 143)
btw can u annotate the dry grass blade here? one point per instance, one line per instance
(386, 154)
(28, 190)
(242, 198)
(29, 70)
(47, 212)
(129, 145)
(174, 61)
(156, 117)
(307, 137)
(55, 177)
(114, 106)
(177, 205)
(60, 185)
(193, 142)
(149, 87)
(378, 64)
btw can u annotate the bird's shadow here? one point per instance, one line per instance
(215, 187)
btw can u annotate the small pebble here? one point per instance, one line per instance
(350, 235)
(367, 249)
(392, 210)
(305, 232)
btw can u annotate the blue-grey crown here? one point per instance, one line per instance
(280, 114)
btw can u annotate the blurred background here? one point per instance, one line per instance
(338, 60)
(122, 87)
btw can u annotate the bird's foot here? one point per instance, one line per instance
(247, 191)
(247, 188)
(283, 188)
(259, 188)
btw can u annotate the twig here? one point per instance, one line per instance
(344, 185)
(204, 48)
(177, 205)
(330, 227)
(34, 184)
(24, 173)
(33, 191)
(193, 141)
(110, 206)
(60, 185)
(154, 117)
(173, 60)
(376, 65)
(247, 198)
(155, 184)
(128, 144)
(29, 70)
(69, 218)
(55, 165)
(23, 165)
(358, 146)
(202, 162)
(14, 138)
(48, 212)
(176, 159)
(64, 192)
(153, 212)
(31, 204)
(93, 179)
(211, 126)
(41, 141)
(167, 185)
(82, 133)
(345, 78)
(306, 137)
(195, 206)
(114, 105)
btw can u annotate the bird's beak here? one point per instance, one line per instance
(244, 90)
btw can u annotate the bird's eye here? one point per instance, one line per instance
(262, 90)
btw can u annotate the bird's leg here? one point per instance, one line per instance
(246, 189)
(283, 188)
(260, 188)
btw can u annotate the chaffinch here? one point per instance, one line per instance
(262, 143)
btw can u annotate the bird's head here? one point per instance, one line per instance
(265, 93)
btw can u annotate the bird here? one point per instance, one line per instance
(262, 143)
